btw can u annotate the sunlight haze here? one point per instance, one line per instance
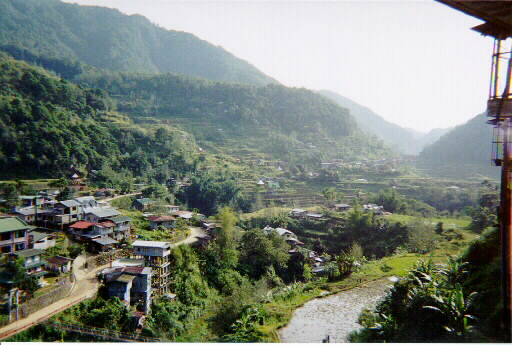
(416, 63)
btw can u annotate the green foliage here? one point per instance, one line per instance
(396, 203)
(188, 283)
(464, 151)
(259, 252)
(444, 316)
(421, 237)
(245, 328)
(484, 215)
(75, 250)
(375, 235)
(211, 191)
(48, 124)
(100, 312)
(19, 276)
(108, 39)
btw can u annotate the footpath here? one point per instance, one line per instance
(85, 286)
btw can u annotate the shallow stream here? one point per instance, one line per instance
(334, 316)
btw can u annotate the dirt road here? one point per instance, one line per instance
(119, 196)
(84, 287)
(194, 231)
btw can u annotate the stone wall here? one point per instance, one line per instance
(45, 300)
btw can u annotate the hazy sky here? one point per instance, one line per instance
(416, 63)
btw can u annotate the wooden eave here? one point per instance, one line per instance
(497, 15)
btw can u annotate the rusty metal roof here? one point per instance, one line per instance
(497, 15)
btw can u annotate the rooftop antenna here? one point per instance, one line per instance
(497, 17)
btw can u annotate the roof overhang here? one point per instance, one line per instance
(497, 15)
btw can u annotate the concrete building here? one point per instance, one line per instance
(131, 284)
(157, 256)
(14, 234)
(34, 263)
(166, 222)
(41, 240)
(59, 264)
(98, 214)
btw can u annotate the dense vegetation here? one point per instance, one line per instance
(106, 38)
(459, 302)
(464, 151)
(284, 122)
(48, 125)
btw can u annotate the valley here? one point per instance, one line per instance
(207, 202)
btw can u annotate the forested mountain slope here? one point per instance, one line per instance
(48, 124)
(284, 122)
(106, 38)
(465, 150)
(399, 138)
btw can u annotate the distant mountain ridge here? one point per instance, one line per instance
(402, 139)
(465, 150)
(107, 39)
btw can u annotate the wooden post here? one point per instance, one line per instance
(506, 228)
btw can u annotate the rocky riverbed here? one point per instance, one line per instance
(334, 316)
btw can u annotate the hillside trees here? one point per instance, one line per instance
(48, 124)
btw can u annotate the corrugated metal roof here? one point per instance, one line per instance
(82, 225)
(28, 252)
(104, 241)
(125, 278)
(144, 201)
(13, 224)
(120, 219)
(103, 212)
(38, 236)
(154, 244)
(69, 203)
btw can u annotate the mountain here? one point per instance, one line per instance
(107, 39)
(432, 136)
(286, 123)
(405, 140)
(463, 151)
(48, 124)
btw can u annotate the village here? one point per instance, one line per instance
(57, 242)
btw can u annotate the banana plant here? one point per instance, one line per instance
(456, 310)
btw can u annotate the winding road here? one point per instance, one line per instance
(85, 286)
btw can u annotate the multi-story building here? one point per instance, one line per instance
(130, 284)
(34, 263)
(122, 227)
(14, 234)
(157, 256)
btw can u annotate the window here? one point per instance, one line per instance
(5, 249)
(5, 236)
(20, 234)
(20, 246)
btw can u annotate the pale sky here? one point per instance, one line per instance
(415, 63)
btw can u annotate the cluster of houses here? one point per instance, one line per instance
(137, 279)
(95, 223)
(268, 182)
(377, 209)
(366, 164)
(301, 213)
(21, 240)
(312, 258)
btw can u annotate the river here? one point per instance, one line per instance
(334, 316)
